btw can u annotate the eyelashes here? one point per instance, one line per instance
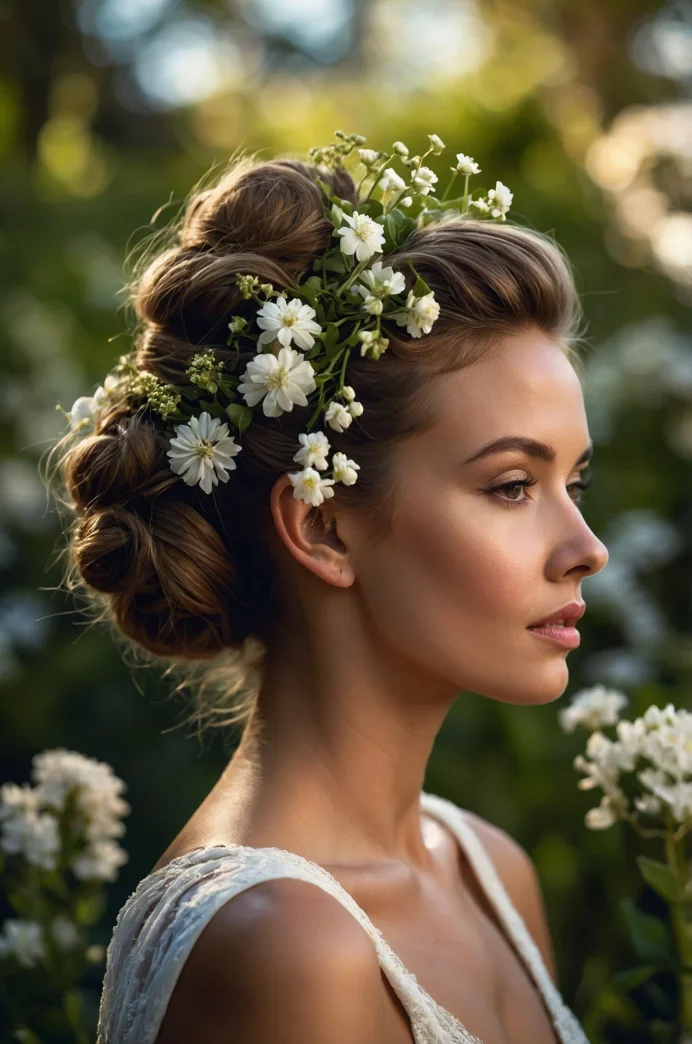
(581, 485)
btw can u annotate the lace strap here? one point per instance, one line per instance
(565, 1022)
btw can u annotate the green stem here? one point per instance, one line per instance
(465, 199)
(343, 368)
(682, 930)
(451, 181)
(376, 177)
(356, 272)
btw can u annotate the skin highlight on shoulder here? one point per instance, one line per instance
(281, 962)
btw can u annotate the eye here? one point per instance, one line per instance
(581, 485)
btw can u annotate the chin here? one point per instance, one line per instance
(540, 686)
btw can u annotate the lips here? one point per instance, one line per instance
(566, 616)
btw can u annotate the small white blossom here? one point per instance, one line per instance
(15, 799)
(288, 321)
(420, 314)
(437, 144)
(363, 236)
(406, 201)
(95, 953)
(399, 147)
(348, 393)
(423, 180)
(466, 164)
(500, 199)
(593, 708)
(369, 157)
(87, 409)
(237, 324)
(23, 940)
(65, 932)
(377, 281)
(308, 485)
(338, 417)
(281, 380)
(601, 817)
(33, 835)
(355, 408)
(99, 861)
(202, 451)
(344, 469)
(391, 181)
(481, 205)
(372, 305)
(315, 447)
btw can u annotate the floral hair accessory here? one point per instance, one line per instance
(304, 337)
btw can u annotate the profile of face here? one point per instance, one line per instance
(481, 549)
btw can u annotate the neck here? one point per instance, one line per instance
(333, 759)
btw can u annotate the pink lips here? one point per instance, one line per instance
(557, 627)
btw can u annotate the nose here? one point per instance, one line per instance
(580, 552)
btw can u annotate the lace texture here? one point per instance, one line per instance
(160, 922)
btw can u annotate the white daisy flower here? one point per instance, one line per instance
(281, 380)
(338, 417)
(391, 181)
(423, 180)
(288, 321)
(202, 451)
(436, 143)
(344, 470)
(377, 281)
(308, 485)
(420, 314)
(466, 164)
(501, 199)
(363, 236)
(313, 454)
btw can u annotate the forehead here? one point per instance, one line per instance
(524, 385)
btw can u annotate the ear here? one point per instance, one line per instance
(311, 535)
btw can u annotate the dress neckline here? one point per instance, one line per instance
(452, 816)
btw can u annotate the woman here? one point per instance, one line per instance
(373, 606)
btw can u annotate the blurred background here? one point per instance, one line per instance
(110, 110)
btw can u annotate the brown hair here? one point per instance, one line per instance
(187, 576)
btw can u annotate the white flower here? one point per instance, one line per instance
(406, 201)
(348, 393)
(95, 953)
(344, 469)
(372, 305)
(399, 147)
(16, 799)
(377, 281)
(355, 408)
(501, 199)
(481, 205)
(423, 179)
(86, 409)
(337, 416)
(466, 164)
(436, 143)
(363, 237)
(369, 157)
(281, 380)
(33, 835)
(308, 485)
(420, 314)
(593, 708)
(237, 324)
(315, 447)
(287, 321)
(391, 181)
(202, 451)
(22, 940)
(99, 861)
(65, 932)
(601, 817)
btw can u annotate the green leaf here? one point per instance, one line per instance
(239, 415)
(314, 281)
(330, 338)
(373, 208)
(73, 1005)
(661, 878)
(89, 909)
(334, 262)
(345, 205)
(633, 977)
(420, 287)
(649, 936)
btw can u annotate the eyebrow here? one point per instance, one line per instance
(531, 447)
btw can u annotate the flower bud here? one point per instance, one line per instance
(399, 147)
(436, 143)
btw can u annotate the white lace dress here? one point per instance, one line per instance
(160, 922)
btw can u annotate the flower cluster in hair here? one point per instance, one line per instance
(304, 339)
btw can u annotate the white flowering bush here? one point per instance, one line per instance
(58, 846)
(644, 775)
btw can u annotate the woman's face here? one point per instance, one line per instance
(472, 559)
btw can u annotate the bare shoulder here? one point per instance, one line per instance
(284, 962)
(518, 874)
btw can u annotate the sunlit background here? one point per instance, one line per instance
(110, 110)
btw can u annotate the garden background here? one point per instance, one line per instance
(109, 111)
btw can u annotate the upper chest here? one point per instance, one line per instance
(447, 933)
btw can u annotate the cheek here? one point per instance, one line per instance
(458, 567)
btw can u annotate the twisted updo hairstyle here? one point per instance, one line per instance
(187, 576)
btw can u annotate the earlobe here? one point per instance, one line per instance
(311, 535)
